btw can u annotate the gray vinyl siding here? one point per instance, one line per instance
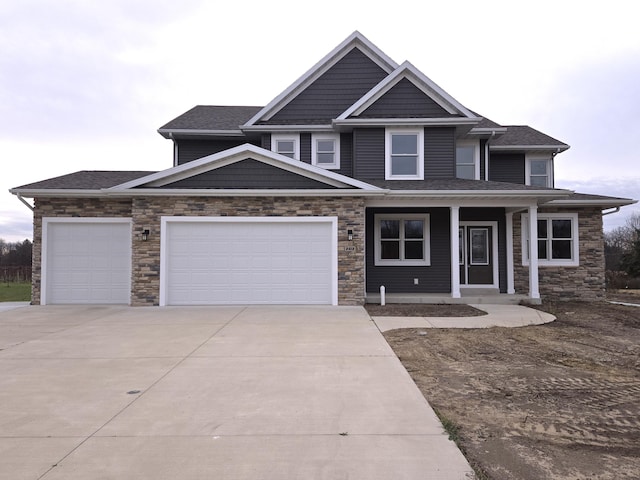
(405, 100)
(494, 215)
(346, 155)
(482, 159)
(305, 147)
(435, 278)
(368, 153)
(249, 174)
(189, 150)
(439, 152)
(265, 141)
(333, 92)
(507, 167)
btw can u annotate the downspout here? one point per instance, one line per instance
(615, 210)
(32, 208)
(486, 155)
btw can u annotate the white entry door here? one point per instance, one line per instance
(248, 260)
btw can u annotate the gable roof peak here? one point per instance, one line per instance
(355, 40)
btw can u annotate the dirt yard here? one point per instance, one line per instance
(557, 401)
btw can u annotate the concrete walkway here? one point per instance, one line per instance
(497, 316)
(213, 392)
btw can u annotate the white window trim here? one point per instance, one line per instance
(387, 153)
(529, 158)
(314, 150)
(476, 155)
(295, 137)
(575, 254)
(403, 263)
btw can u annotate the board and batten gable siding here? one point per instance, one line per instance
(249, 174)
(368, 153)
(507, 167)
(405, 100)
(305, 147)
(439, 152)
(333, 92)
(483, 157)
(346, 155)
(492, 215)
(435, 278)
(189, 150)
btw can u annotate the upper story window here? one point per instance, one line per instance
(402, 239)
(557, 239)
(325, 150)
(468, 160)
(539, 171)
(404, 154)
(287, 144)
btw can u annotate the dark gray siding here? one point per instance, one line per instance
(435, 278)
(405, 100)
(189, 150)
(439, 152)
(495, 215)
(248, 174)
(305, 147)
(333, 92)
(482, 159)
(368, 153)
(506, 167)
(346, 155)
(265, 141)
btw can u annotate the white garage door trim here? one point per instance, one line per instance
(165, 221)
(44, 258)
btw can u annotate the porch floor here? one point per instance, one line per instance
(467, 298)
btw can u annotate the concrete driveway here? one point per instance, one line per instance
(93, 392)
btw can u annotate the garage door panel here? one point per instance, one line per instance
(246, 262)
(87, 262)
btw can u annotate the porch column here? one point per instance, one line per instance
(455, 252)
(533, 252)
(510, 284)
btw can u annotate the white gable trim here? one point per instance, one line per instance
(356, 39)
(420, 80)
(238, 154)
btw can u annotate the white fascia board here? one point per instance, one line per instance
(245, 192)
(528, 194)
(54, 192)
(356, 39)
(488, 131)
(561, 148)
(424, 83)
(593, 203)
(239, 153)
(171, 133)
(449, 121)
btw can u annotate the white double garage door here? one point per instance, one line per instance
(203, 260)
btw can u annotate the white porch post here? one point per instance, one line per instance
(510, 284)
(534, 293)
(455, 252)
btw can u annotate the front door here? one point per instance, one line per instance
(476, 255)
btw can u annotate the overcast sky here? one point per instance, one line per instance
(85, 85)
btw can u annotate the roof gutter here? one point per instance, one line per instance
(615, 210)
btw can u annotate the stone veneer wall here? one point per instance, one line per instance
(146, 213)
(62, 207)
(584, 282)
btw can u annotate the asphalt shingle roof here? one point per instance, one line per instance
(212, 117)
(85, 180)
(449, 184)
(525, 135)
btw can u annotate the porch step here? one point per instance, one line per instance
(466, 299)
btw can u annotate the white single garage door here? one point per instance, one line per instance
(86, 261)
(241, 260)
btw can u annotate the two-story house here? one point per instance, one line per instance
(363, 173)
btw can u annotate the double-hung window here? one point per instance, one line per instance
(286, 144)
(557, 239)
(402, 239)
(404, 154)
(325, 150)
(467, 160)
(539, 172)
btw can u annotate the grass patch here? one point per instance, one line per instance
(15, 292)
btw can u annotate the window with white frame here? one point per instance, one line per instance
(325, 150)
(557, 239)
(539, 171)
(402, 240)
(404, 154)
(468, 160)
(286, 144)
